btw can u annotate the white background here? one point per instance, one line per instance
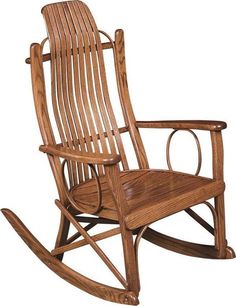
(181, 65)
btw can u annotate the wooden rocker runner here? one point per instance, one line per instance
(89, 163)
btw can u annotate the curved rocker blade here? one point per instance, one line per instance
(185, 247)
(78, 280)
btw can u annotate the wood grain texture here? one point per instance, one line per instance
(180, 246)
(84, 242)
(150, 194)
(122, 130)
(62, 235)
(82, 157)
(120, 201)
(99, 179)
(81, 102)
(200, 220)
(122, 82)
(218, 173)
(77, 235)
(71, 276)
(184, 124)
(40, 102)
(47, 57)
(92, 243)
(217, 155)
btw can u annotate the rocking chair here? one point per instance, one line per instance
(89, 163)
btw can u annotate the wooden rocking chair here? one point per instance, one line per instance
(89, 162)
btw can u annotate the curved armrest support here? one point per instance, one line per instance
(82, 157)
(184, 124)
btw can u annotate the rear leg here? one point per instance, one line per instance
(62, 234)
(221, 242)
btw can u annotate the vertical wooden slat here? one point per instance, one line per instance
(58, 106)
(81, 101)
(97, 82)
(79, 143)
(93, 80)
(106, 97)
(54, 100)
(64, 78)
(90, 106)
(84, 74)
(77, 70)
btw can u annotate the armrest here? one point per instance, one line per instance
(82, 157)
(184, 124)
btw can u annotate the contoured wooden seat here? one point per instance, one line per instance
(84, 146)
(150, 194)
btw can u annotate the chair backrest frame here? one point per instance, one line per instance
(91, 95)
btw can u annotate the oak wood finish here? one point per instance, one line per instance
(184, 124)
(81, 136)
(75, 245)
(180, 246)
(81, 157)
(118, 194)
(90, 240)
(40, 101)
(62, 235)
(130, 120)
(218, 173)
(168, 159)
(121, 130)
(200, 220)
(78, 234)
(167, 191)
(71, 276)
(95, 220)
(47, 57)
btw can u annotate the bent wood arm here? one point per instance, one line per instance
(82, 157)
(214, 127)
(184, 124)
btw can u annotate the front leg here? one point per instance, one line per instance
(218, 174)
(114, 182)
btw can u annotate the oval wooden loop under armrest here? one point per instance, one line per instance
(82, 157)
(208, 125)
